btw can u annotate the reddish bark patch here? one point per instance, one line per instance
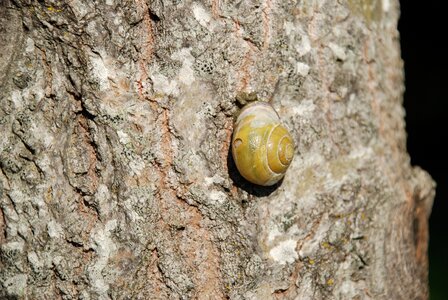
(266, 24)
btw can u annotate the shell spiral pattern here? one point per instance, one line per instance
(262, 147)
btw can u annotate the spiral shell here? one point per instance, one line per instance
(262, 147)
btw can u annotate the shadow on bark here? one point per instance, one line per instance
(3, 297)
(240, 182)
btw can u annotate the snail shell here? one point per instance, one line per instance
(262, 147)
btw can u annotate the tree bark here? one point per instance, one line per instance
(115, 176)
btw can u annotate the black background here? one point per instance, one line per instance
(424, 33)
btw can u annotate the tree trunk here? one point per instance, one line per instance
(115, 176)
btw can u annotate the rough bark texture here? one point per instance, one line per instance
(115, 179)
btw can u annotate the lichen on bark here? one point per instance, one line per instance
(115, 175)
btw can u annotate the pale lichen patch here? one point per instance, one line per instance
(16, 285)
(386, 5)
(304, 46)
(123, 137)
(13, 247)
(289, 27)
(186, 72)
(79, 8)
(215, 179)
(104, 246)
(163, 86)
(54, 229)
(338, 51)
(202, 16)
(302, 69)
(304, 109)
(137, 165)
(100, 71)
(34, 260)
(29, 45)
(17, 99)
(217, 196)
(273, 234)
(284, 252)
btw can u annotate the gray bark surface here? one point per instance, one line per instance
(115, 177)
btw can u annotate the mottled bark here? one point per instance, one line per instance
(115, 176)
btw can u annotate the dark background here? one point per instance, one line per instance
(424, 34)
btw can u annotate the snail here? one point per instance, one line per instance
(262, 147)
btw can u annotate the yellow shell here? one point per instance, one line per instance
(262, 147)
